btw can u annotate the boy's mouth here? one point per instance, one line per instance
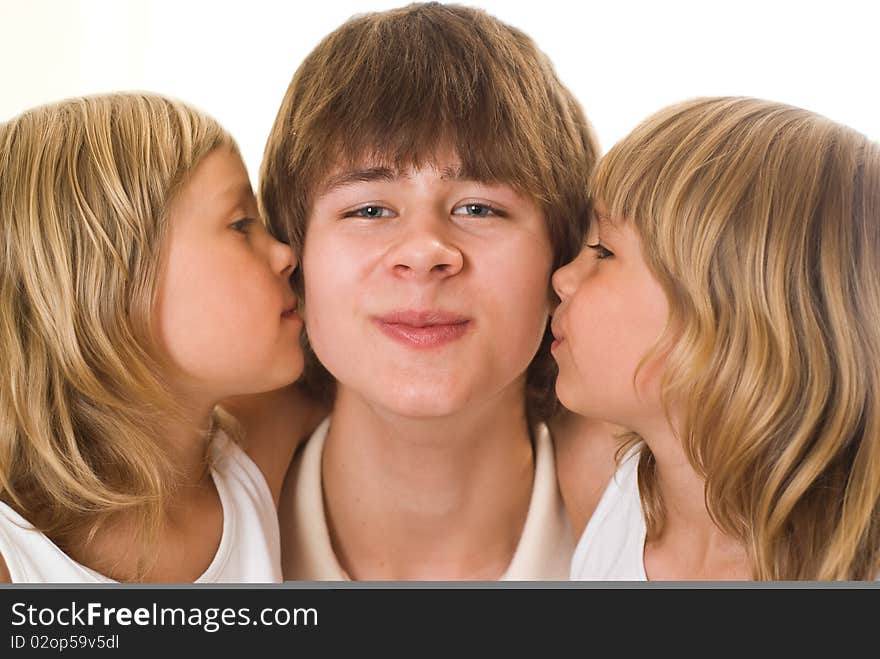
(428, 328)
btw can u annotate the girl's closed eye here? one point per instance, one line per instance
(242, 225)
(370, 212)
(601, 251)
(477, 209)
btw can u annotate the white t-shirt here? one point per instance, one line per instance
(612, 547)
(543, 553)
(249, 550)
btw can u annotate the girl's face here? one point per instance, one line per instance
(426, 292)
(612, 312)
(225, 315)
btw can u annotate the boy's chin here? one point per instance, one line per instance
(423, 403)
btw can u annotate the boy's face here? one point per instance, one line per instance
(426, 293)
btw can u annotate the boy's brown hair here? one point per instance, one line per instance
(397, 86)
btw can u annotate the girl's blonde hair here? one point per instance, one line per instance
(761, 222)
(85, 186)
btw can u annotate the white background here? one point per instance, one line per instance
(623, 60)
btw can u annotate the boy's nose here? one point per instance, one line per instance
(425, 251)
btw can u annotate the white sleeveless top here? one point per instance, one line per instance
(249, 550)
(543, 553)
(612, 547)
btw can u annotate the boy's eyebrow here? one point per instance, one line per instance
(454, 173)
(459, 173)
(369, 174)
(364, 175)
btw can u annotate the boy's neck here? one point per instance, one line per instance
(437, 498)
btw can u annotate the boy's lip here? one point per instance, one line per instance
(423, 328)
(422, 318)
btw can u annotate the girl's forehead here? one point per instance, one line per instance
(600, 211)
(604, 221)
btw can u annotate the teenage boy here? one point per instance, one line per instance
(431, 170)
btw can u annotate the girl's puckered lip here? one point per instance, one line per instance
(558, 337)
(289, 309)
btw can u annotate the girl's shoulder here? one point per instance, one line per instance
(28, 555)
(273, 425)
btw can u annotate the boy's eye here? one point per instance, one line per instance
(371, 212)
(602, 252)
(242, 225)
(475, 210)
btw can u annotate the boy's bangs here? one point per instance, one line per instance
(415, 130)
(393, 88)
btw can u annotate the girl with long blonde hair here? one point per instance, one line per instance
(138, 288)
(725, 314)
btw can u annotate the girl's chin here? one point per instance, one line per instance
(570, 396)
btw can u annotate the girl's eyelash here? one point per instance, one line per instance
(242, 224)
(602, 252)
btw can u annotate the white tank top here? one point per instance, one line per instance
(612, 547)
(249, 549)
